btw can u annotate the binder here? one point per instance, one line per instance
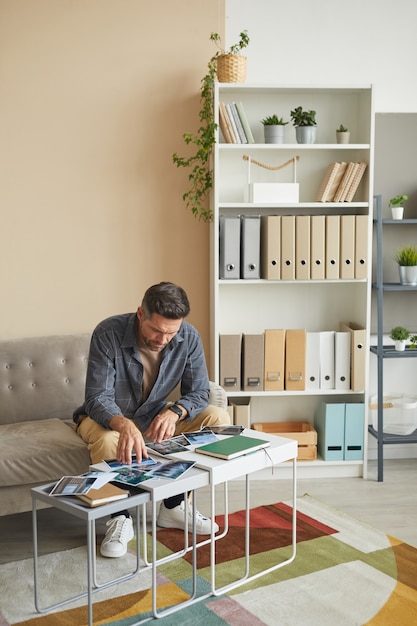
(250, 254)
(229, 247)
(329, 421)
(295, 359)
(342, 360)
(318, 233)
(288, 247)
(271, 247)
(253, 362)
(274, 360)
(361, 246)
(354, 431)
(327, 359)
(357, 354)
(230, 362)
(302, 247)
(347, 246)
(312, 360)
(332, 262)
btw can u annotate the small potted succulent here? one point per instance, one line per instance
(397, 207)
(274, 128)
(399, 335)
(342, 134)
(406, 258)
(305, 125)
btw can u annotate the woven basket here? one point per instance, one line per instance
(231, 68)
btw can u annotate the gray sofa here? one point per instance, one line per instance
(41, 383)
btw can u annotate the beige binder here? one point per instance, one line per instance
(271, 247)
(274, 360)
(253, 362)
(318, 232)
(230, 362)
(361, 246)
(302, 247)
(347, 246)
(357, 354)
(332, 247)
(295, 359)
(288, 247)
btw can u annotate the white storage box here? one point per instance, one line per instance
(399, 413)
(273, 192)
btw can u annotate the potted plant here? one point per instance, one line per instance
(397, 207)
(342, 134)
(274, 127)
(406, 258)
(231, 65)
(200, 163)
(399, 335)
(413, 342)
(305, 125)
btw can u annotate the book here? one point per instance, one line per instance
(346, 179)
(357, 177)
(245, 123)
(225, 124)
(233, 447)
(103, 495)
(233, 123)
(349, 179)
(331, 181)
(238, 122)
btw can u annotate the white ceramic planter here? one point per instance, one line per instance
(400, 345)
(408, 274)
(305, 134)
(397, 212)
(274, 133)
(343, 137)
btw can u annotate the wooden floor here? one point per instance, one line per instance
(390, 506)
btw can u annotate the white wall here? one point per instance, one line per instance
(329, 41)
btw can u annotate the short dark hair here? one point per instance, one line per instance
(166, 299)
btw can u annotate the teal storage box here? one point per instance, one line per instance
(329, 421)
(354, 431)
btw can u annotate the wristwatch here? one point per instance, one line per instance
(176, 409)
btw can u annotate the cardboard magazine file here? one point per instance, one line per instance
(274, 360)
(240, 411)
(267, 192)
(357, 354)
(253, 362)
(295, 359)
(230, 362)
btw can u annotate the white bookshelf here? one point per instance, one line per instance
(251, 306)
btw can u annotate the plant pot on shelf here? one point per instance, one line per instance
(397, 212)
(305, 134)
(400, 345)
(342, 137)
(408, 274)
(231, 68)
(274, 133)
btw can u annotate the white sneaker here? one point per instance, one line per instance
(118, 535)
(175, 518)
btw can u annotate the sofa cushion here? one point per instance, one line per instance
(40, 451)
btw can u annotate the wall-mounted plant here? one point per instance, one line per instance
(201, 173)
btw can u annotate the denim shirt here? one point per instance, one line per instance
(115, 374)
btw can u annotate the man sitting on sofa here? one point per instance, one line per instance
(136, 360)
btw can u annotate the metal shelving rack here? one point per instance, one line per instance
(386, 352)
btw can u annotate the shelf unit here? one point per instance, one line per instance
(251, 306)
(382, 351)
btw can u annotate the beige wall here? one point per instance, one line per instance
(94, 98)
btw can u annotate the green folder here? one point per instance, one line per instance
(232, 447)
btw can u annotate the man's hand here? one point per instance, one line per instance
(130, 440)
(162, 426)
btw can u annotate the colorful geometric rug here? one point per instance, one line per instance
(345, 574)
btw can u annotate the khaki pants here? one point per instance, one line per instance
(102, 443)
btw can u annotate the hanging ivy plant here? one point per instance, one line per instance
(201, 174)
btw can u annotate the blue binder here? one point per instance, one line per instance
(329, 421)
(354, 431)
